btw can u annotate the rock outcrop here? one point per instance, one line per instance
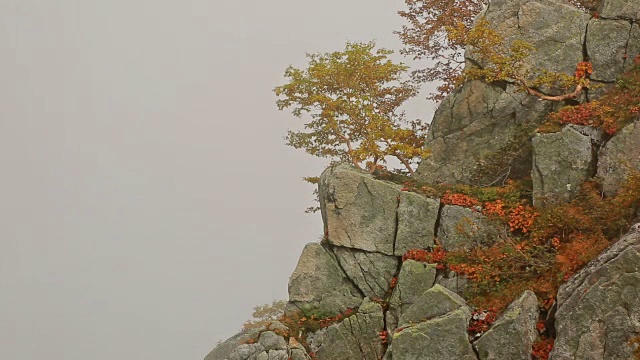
(477, 124)
(619, 9)
(465, 228)
(379, 305)
(224, 350)
(414, 279)
(261, 343)
(413, 234)
(363, 213)
(610, 43)
(371, 272)
(561, 162)
(598, 308)
(513, 334)
(619, 157)
(434, 327)
(357, 337)
(318, 282)
(481, 133)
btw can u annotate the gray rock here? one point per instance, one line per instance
(389, 354)
(598, 308)
(358, 211)
(278, 355)
(620, 155)
(513, 334)
(224, 350)
(319, 283)
(554, 28)
(633, 47)
(620, 9)
(435, 302)
(561, 162)
(271, 355)
(270, 341)
(371, 272)
(465, 228)
(442, 338)
(480, 134)
(356, 337)
(452, 281)
(607, 44)
(298, 352)
(414, 279)
(417, 217)
(246, 352)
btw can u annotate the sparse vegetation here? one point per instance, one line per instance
(543, 246)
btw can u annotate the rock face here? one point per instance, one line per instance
(561, 162)
(222, 351)
(414, 279)
(480, 123)
(611, 44)
(435, 302)
(554, 28)
(620, 155)
(475, 125)
(358, 211)
(363, 213)
(452, 281)
(415, 234)
(441, 332)
(620, 9)
(465, 228)
(357, 337)
(513, 334)
(319, 283)
(371, 272)
(265, 345)
(481, 134)
(598, 308)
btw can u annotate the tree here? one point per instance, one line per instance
(508, 64)
(263, 315)
(428, 36)
(352, 98)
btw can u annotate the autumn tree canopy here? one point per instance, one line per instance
(428, 36)
(351, 98)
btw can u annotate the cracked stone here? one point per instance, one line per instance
(319, 283)
(618, 157)
(433, 303)
(417, 216)
(620, 9)
(612, 45)
(358, 211)
(371, 272)
(356, 337)
(413, 280)
(465, 228)
(513, 334)
(598, 308)
(442, 338)
(561, 161)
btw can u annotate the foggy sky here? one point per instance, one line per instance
(148, 201)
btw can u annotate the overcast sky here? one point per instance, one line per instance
(148, 201)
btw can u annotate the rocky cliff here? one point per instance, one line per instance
(368, 291)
